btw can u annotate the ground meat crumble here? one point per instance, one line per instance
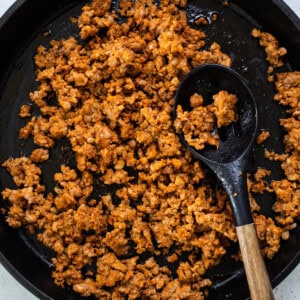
(274, 52)
(263, 136)
(199, 124)
(114, 101)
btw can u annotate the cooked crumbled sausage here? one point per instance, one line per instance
(273, 51)
(224, 108)
(258, 185)
(263, 136)
(25, 111)
(196, 100)
(271, 45)
(271, 155)
(198, 125)
(39, 155)
(291, 166)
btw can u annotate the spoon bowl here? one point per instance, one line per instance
(229, 160)
(235, 139)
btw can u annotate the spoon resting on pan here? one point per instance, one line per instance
(229, 161)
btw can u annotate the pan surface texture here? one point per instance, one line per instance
(31, 23)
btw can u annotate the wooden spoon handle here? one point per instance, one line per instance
(256, 272)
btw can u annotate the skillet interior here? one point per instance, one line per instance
(26, 258)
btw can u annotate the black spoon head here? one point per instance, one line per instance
(235, 139)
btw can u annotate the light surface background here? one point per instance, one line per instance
(10, 289)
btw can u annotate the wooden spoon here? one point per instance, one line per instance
(229, 161)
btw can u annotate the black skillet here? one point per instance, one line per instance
(30, 23)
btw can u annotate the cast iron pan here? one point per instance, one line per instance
(22, 30)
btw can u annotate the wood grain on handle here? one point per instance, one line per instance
(257, 276)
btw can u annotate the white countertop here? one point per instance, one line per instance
(10, 289)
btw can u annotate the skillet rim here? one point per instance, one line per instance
(10, 12)
(288, 12)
